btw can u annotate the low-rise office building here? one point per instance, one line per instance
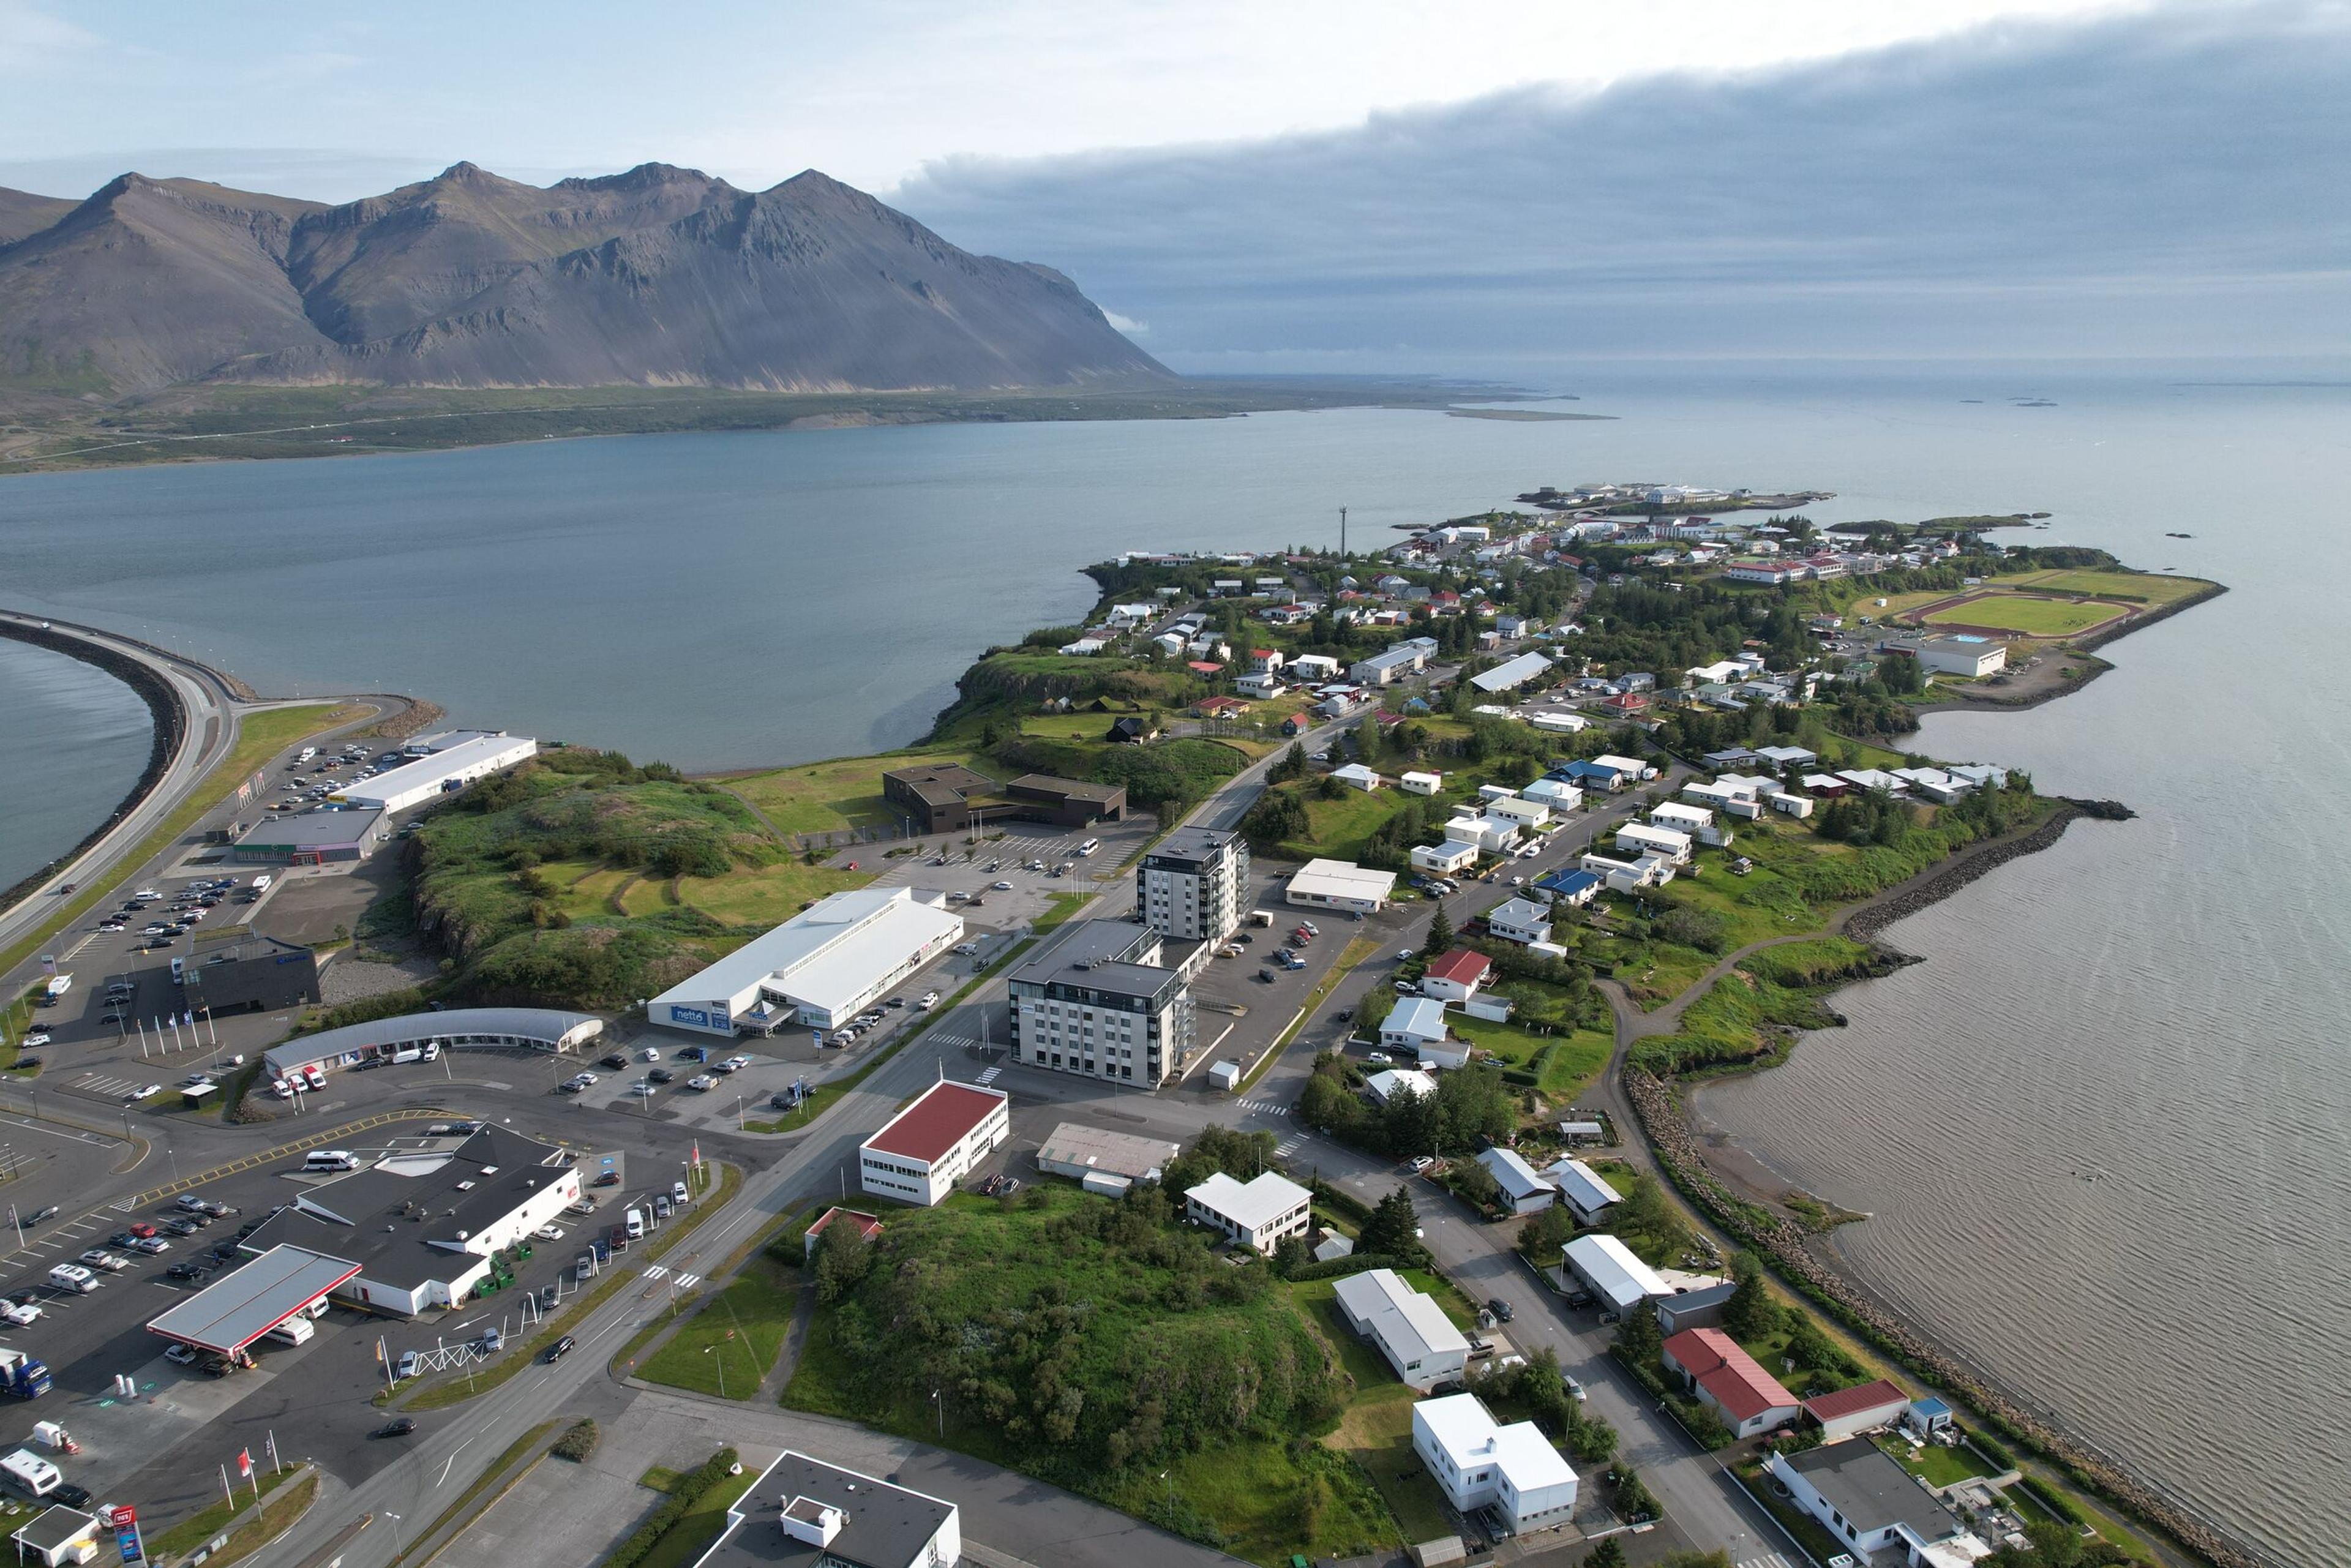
(1404, 1325)
(1341, 885)
(331, 836)
(446, 770)
(550, 1030)
(1255, 1214)
(1105, 1002)
(946, 797)
(821, 968)
(1481, 1464)
(804, 1513)
(922, 1151)
(240, 970)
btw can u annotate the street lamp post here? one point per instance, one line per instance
(395, 1536)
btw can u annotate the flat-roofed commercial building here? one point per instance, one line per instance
(312, 838)
(821, 968)
(1192, 884)
(1341, 885)
(442, 772)
(458, 1028)
(419, 1230)
(1106, 1004)
(231, 1313)
(922, 1151)
(240, 970)
(804, 1513)
(946, 797)
(1077, 1151)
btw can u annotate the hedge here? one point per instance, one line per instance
(1981, 1443)
(2055, 1501)
(1353, 1264)
(578, 1442)
(682, 1498)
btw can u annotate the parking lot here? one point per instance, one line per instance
(1023, 857)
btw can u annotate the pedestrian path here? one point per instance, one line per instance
(1265, 1107)
(682, 1281)
(102, 1083)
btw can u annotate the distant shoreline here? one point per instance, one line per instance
(241, 423)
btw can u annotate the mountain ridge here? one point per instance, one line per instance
(655, 276)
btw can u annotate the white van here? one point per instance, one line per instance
(306, 753)
(31, 1474)
(317, 1309)
(261, 882)
(296, 1330)
(407, 1053)
(1090, 846)
(636, 1220)
(331, 1160)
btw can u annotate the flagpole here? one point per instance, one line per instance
(225, 1492)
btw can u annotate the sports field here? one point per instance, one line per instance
(2152, 588)
(2026, 615)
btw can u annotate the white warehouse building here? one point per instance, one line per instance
(439, 773)
(821, 968)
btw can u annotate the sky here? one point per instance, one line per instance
(1354, 185)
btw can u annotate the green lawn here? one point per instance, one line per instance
(727, 1346)
(2154, 588)
(1936, 1465)
(1377, 1430)
(1566, 1061)
(846, 792)
(1339, 826)
(684, 1542)
(2027, 615)
(194, 1532)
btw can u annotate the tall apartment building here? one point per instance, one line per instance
(1103, 1005)
(1193, 885)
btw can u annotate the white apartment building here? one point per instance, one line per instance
(1193, 885)
(1256, 1214)
(1513, 1469)
(1102, 1004)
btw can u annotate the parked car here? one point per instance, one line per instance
(1499, 1308)
(617, 1060)
(100, 1258)
(151, 1245)
(400, 1428)
(181, 1355)
(703, 1082)
(609, 1178)
(661, 1076)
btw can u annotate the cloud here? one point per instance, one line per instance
(1127, 324)
(2160, 182)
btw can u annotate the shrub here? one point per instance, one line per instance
(578, 1442)
(682, 1498)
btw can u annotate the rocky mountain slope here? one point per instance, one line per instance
(658, 276)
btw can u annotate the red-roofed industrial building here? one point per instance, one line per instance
(934, 1142)
(1748, 1398)
(1863, 1408)
(1456, 977)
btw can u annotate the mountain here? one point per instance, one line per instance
(656, 277)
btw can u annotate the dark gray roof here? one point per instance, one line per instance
(887, 1525)
(541, 1026)
(402, 1229)
(1863, 1484)
(1708, 1296)
(1185, 848)
(312, 829)
(56, 1525)
(1094, 959)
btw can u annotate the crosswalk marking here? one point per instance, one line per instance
(656, 1270)
(962, 1039)
(688, 1281)
(1769, 1560)
(1284, 1150)
(1266, 1107)
(988, 1077)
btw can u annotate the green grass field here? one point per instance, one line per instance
(727, 1346)
(2027, 615)
(846, 792)
(2150, 586)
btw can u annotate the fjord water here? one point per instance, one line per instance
(72, 742)
(2103, 1131)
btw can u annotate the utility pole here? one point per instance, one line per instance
(1343, 533)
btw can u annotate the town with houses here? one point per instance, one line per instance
(1224, 1016)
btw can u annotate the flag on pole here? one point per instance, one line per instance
(244, 1464)
(698, 1154)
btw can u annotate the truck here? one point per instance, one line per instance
(23, 1376)
(56, 986)
(306, 753)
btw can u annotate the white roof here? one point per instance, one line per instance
(1410, 1323)
(1581, 1186)
(824, 957)
(1422, 1018)
(1570, 722)
(1656, 838)
(1520, 912)
(1513, 672)
(1434, 778)
(1625, 764)
(1466, 1430)
(1614, 1271)
(427, 772)
(1356, 773)
(1251, 1204)
(1413, 1081)
(1341, 879)
(1870, 778)
(1784, 755)
(1696, 816)
(1517, 1178)
(1550, 791)
(1747, 783)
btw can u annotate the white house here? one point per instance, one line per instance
(1934, 784)
(1491, 834)
(1255, 1214)
(1861, 1496)
(1259, 686)
(1444, 859)
(1724, 670)
(1585, 1190)
(1339, 884)
(1386, 1086)
(1557, 797)
(1513, 1469)
(1695, 820)
(922, 1151)
(1357, 776)
(1558, 722)
(1524, 1191)
(1624, 876)
(1524, 813)
(1421, 783)
(1312, 667)
(1663, 843)
(1417, 1024)
(1404, 1325)
(1265, 661)
(1454, 977)
(1798, 806)
(1632, 768)
(1608, 1268)
(1520, 920)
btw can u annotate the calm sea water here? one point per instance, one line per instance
(72, 741)
(2104, 1131)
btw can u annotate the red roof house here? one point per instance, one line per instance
(1454, 977)
(922, 1152)
(1862, 1408)
(1748, 1398)
(866, 1225)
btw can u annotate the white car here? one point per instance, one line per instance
(550, 1233)
(930, 999)
(181, 1355)
(100, 1258)
(737, 1063)
(38, 1037)
(703, 1082)
(138, 1095)
(20, 1312)
(641, 1091)
(1001, 886)
(281, 1088)
(649, 1054)
(585, 1080)
(151, 1245)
